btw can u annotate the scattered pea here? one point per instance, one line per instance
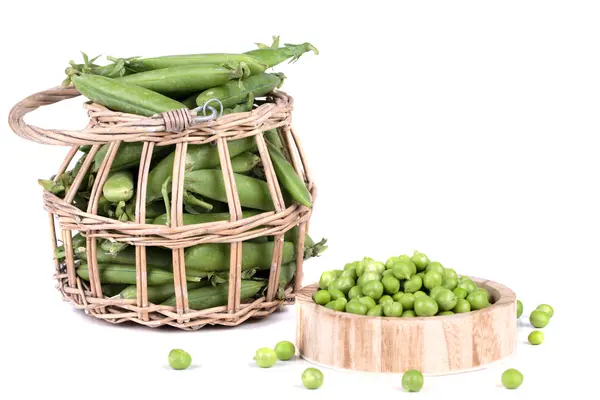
(512, 379)
(312, 378)
(547, 309)
(285, 350)
(536, 337)
(179, 359)
(265, 357)
(539, 319)
(412, 380)
(519, 308)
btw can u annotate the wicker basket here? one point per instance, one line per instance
(172, 128)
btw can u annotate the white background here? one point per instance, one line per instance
(464, 129)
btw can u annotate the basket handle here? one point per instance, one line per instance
(33, 102)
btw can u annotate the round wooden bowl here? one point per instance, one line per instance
(434, 345)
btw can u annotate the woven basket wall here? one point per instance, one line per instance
(114, 128)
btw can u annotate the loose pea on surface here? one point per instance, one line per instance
(425, 306)
(373, 289)
(536, 337)
(460, 293)
(392, 309)
(312, 378)
(547, 309)
(519, 308)
(285, 350)
(432, 279)
(512, 379)
(391, 284)
(179, 359)
(420, 260)
(385, 299)
(462, 306)
(376, 311)
(321, 297)
(367, 301)
(412, 380)
(539, 319)
(265, 357)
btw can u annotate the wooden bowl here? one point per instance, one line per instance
(434, 345)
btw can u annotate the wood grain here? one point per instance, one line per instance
(433, 345)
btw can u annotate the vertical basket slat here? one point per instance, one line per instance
(235, 212)
(69, 259)
(141, 276)
(300, 256)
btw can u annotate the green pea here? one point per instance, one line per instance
(404, 257)
(460, 293)
(539, 319)
(387, 272)
(355, 292)
(421, 274)
(368, 276)
(367, 301)
(420, 260)
(385, 299)
(336, 294)
(392, 309)
(179, 359)
(462, 306)
(512, 379)
(352, 265)
(343, 283)
(446, 313)
(312, 378)
(487, 294)
(450, 283)
(340, 304)
(413, 284)
(450, 273)
(478, 300)
(389, 264)
(425, 306)
(408, 301)
(373, 289)
(330, 305)
(433, 292)
(536, 337)
(408, 314)
(265, 357)
(419, 293)
(468, 285)
(285, 350)
(397, 296)
(412, 380)
(435, 266)
(519, 308)
(432, 279)
(446, 300)
(351, 272)
(373, 266)
(321, 297)
(354, 306)
(338, 272)
(547, 309)
(376, 311)
(391, 284)
(326, 278)
(402, 270)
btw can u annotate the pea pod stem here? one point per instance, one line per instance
(274, 55)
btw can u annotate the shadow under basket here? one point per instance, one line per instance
(438, 345)
(107, 132)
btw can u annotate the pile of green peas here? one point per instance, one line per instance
(403, 286)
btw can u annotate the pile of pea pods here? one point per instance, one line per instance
(147, 86)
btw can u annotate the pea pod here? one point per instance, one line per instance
(273, 55)
(123, 96)
(113, 70)
(253, 193)
(215, 296)
(192, 219)
(214, 257)
(158, 294)
(119, 187)
(232, 93)
(176, 81)
(289, 179)
(128, 155)
(272, 136)
(197, 157)
(244, 162)
(117, 273)
(110, 290)
(155, 256)
(148, 64)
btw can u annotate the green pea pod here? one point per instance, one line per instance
(214, 257)
(128, 155)
(119, 187)
(197, 157)
(288, 178)
(232, 93)
(77, 241)
(273, 55)
(215, 296)
(158, 294)
(192, 219)
(244, 162)
(155, 256)
(113, 70)
(136, 64)
(110, 290)
(272, 136)
(253, 193)
(123, 96)
(177, 81)
(126, 274)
